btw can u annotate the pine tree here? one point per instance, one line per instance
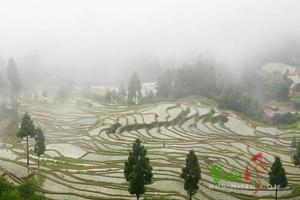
(134, 89)
(13, 77)
(297, 155)
(277, 177)
(39, 147)
(26, 130)
(191, 174)
(138, 170)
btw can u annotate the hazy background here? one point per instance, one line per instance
(101, 42)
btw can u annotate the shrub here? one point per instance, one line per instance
(285, 119)
(4, 185)
(23, 192)
(296, 189)
(219, 119)
(38, 197)
(113, 128)
(240, 101)
(207, 117)
(27, 189)
(12, 194)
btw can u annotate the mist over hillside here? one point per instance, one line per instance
(97, 42)
(152, 100)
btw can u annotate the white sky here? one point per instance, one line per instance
(102, 35)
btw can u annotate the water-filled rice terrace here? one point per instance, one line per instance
(88, 143)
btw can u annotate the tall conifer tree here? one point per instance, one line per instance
(39, 147)
(13, 77)
(26, 130)
(138, 171)
(191, 174)
(277, 177)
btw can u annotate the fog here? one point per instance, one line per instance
(104, 41)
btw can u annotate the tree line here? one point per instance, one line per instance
(197, 79)
(206, 79)
(131, 95)
(202, 79)
(138, 172)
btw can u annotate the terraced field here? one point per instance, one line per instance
(88, 143)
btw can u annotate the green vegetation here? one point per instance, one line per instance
(132, 96)
(178, 120)
(219, 119)
(277, 86)
(200, 79)
(39, 147)
(26, 130)
(294, 142)
(277, 176)
(195, 79)
(25, 191)
(13, 77)
(297, 155)
(207, 117)
(191, 174)
(288, 127)
(285, 119)
(138, 170)
(238, 100)
(113, 128)
(296, 189)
